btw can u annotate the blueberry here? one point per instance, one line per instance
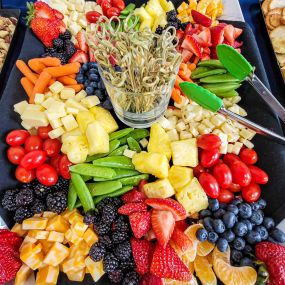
(89, 90)
(228, 235)
(118, 68)
(240, 229)
(99, 94)
(255, 206)
(262, 231)
(268, 223)
(229, 219)
(222, 244)
(257, 217)
(208, 224)
(239, 243)
(81, 71)
(202, 234)
(80, 78)
(236, 201)
(248, 224)
(236, 255)
(213, 205)
(233, 208)
(85, 66)
(101, 85)
(107, 104)
(205, 213)
(94, 77)
(94, 85)
(94, 71)
(223, 206)
(278, 235)
(219, 226)
(86, 83)
(246, 262)
(212, 237)
(253, 237)
(218, 214)
(245, 210)
(262, 203)
(92, 64)
(270, 239)
(248, 249)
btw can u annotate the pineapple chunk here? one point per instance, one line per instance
(17, 228)
(73, 264)
(55, 236)
(56, 110)
(69, 122)
(145, 18)
(76, 275)
(159, 141)
(90, 237)
(166, 5)
(56, 87)
(75, 132)
(98, 138)
(46, 245)
(67, 93)
(57, 253)
(105, 118)
(161, 188)
(185, 153)
(192, 197)
(76, 149)
(34, 223)
(84, 118)
(47, 275)
(152, 163)
(95, 268)
(179, 176)
(23, 274)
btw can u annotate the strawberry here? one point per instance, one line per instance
(181, 240)
(181, 225)
(142, 183)
(140, 223)
(206, 50)
(205, 36)
(131, 208)
(167, 264)
(79, 56)
(186, 55)
(10, 238)
(82, 42)
(163, 224)
(149, 279)
(150, 235)
(43, 10)
(192, 45)
(205, 56)
(237, 44)
(142, 252)
(179, 35)
(238, 50)
(217, 34)
(237, 33)
(168, 204)
(201, 19)
(133, 196)
(188, 28)
(58, 14)
(229, 33)
(200, 41)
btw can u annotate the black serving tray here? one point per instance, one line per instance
(271, 155)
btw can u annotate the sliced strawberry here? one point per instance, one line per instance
(217, 34)
(214, 54)
(91, 55)
(201, 19)
(194, 31)
(238, 50)
(237, 44)
(188, 28)
(140, 223)
(186, 55)
(82, 42)
(163, 224)
(205, 56)
(43, 10)
(229, 33)
(150, 235)
(131, 208)
(133, 196)
(181, 240)
(80, 56)
(141, 185)
(200, 41)
(226, 42)
(58, 14)
(149, 279)
(192, 45)
(142, 252)
(168, 204)
(205, 36)
(167, 264)
(179, 35)
(237, 33)
(181, 225)
(206, 50)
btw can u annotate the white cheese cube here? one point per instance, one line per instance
(129, 153)
(48, 94)
(67, 93)
(237, 147)
(69, 122)
(80, 95)
(208, 124)
(173, 135)
(90, 101)
(26, 126)
(35, 118)
(56, 87)
(168, 113)
(164, 122)
(193, 130)
(70, 6)
(20, 107)
(230, 148)
(46, 104)
(39, 98)
(79, 7)
(233, 137)
(247, 143)
(33, 107)
(224, 145)
(247, 134)
(184, 135)
(172, 122)
(56, 133)
(56, 123)
(74, 28)
(143, 142)
(73, 16)
(74, 104)
(180, 126)
(218, 120)
(184, 102)
(72, 111)
(83, 23)
(56, 110)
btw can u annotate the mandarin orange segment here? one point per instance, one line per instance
(190, 254)
(204, 248)
(193, 281)
(204, 271)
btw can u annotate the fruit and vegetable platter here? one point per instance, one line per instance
(119, 176)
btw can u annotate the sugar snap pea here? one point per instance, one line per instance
(137, 27)
(71, 197)
(92, 170)
(82, 192)
(221, 87)
(119, 134)
(133, 144)
(201, 69)
(123, 16)
(102, 188)
(136, 134)
(120, 173)
(215, 63)
(133, 180)
(114, 162)
(209, 73)
(118, 151)
(128, 9)
(229, 94)
(220, 78)
(86, 177)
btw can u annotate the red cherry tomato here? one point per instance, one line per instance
(54, 162)
(119, 4)
(33, 159)
(33, 143)
(15, 154)
(210, 185)
(241, 173)
(52, 147)
(198, 170)
(209, 141)
(258, 175)
(64, 164)
(234, 188)
(43, 132)
(210, 157)
(46, 175)
(113, 11)
(230, 158)
(93, 16)
(23, 175)
(106, 5)
(225, 196)
(223, 175)
(17, 137)
(248, 156)
(251, 192)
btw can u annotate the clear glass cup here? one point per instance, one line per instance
(138, 110)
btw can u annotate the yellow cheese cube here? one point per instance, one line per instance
(73, 264)
(46, 245)
(56, 133)
(95, 268)
(47, 275)
(17, 228)
(35, 223)
(90, 237)
(69, 122)
(73, 237)
(57, 253)
(66, 214)
(56, 87)
(77, 275)
(30, 249)
(75, 217)
(32, 256)
(79, 228)
(27, 240)
(38, 234)
(48, 214)
(55, 236)
(23, 274)
(80, 249)
(39, 98)
(67, 93)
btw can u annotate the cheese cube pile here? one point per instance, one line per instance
(54, 243)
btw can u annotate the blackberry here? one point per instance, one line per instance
(116, 276)
(171, 16)
(65, 36)
(63, 57)
(110, 263)
(120, 225)
(56, 202)
(38, 207)
(131, 278)
(21, 214)
(119, 237)
(41, 191)
(61, 185)
(104, 202)
(25, 197)
(69, 49)
(127, 264)
(46, 54)
(50, 50)
(159, 30)
(106, 241)
(91, 217)
(123, 251)
(101, 228)
(9, 201)
(109, 214)
(97, 251)
(117, 202)
(172, 24)
(58, 44)
(183, 26)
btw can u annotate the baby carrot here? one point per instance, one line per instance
(40, 85)
(66, 80)
(177, 81)
(175, 95)
(50, 61)
(191, 66)
(76, 87)
(26, 71)
(52, 81)
(63, 70)
(27, 85)
(36, 65)
(196, 60)
(73, 76)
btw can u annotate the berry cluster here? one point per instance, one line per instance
(36, 198)
(93, 85)
(113, 245)
(63, 48)
(240, 225)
